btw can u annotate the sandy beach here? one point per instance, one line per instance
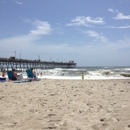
(65, 105)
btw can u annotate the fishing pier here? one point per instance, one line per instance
(21, 64)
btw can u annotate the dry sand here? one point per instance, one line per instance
(65, 105)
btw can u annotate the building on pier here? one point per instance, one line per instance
(21, 64)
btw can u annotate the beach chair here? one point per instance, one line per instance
(31, 75)
(11, 76)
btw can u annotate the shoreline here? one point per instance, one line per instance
(65, 105)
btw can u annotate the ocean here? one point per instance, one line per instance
(88, 72)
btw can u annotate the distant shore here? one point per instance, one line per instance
(65, 104)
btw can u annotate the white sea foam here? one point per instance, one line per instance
(78, 77)
(76, 73)
(127, 69)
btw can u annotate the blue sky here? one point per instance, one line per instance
(90, 32)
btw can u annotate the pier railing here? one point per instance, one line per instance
(9, 63)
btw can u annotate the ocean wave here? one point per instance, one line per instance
(125, 75)
(89, 73)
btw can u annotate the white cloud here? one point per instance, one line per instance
(29, 49)
(111, 10)
(17, 2)
(43, 28)
(85, 21)
(121, 16)
(26, 41)
(121, 27)
(97, 36)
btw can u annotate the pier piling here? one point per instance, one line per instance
(21, 64)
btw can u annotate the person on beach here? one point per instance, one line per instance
(34, 72)
(41, 73)
(3, 73)
(82, 75)
(34, 77)
(16, 76)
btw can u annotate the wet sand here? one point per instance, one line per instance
(65, 105)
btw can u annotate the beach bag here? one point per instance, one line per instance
(20, 77)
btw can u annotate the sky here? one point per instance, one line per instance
(88, 32)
